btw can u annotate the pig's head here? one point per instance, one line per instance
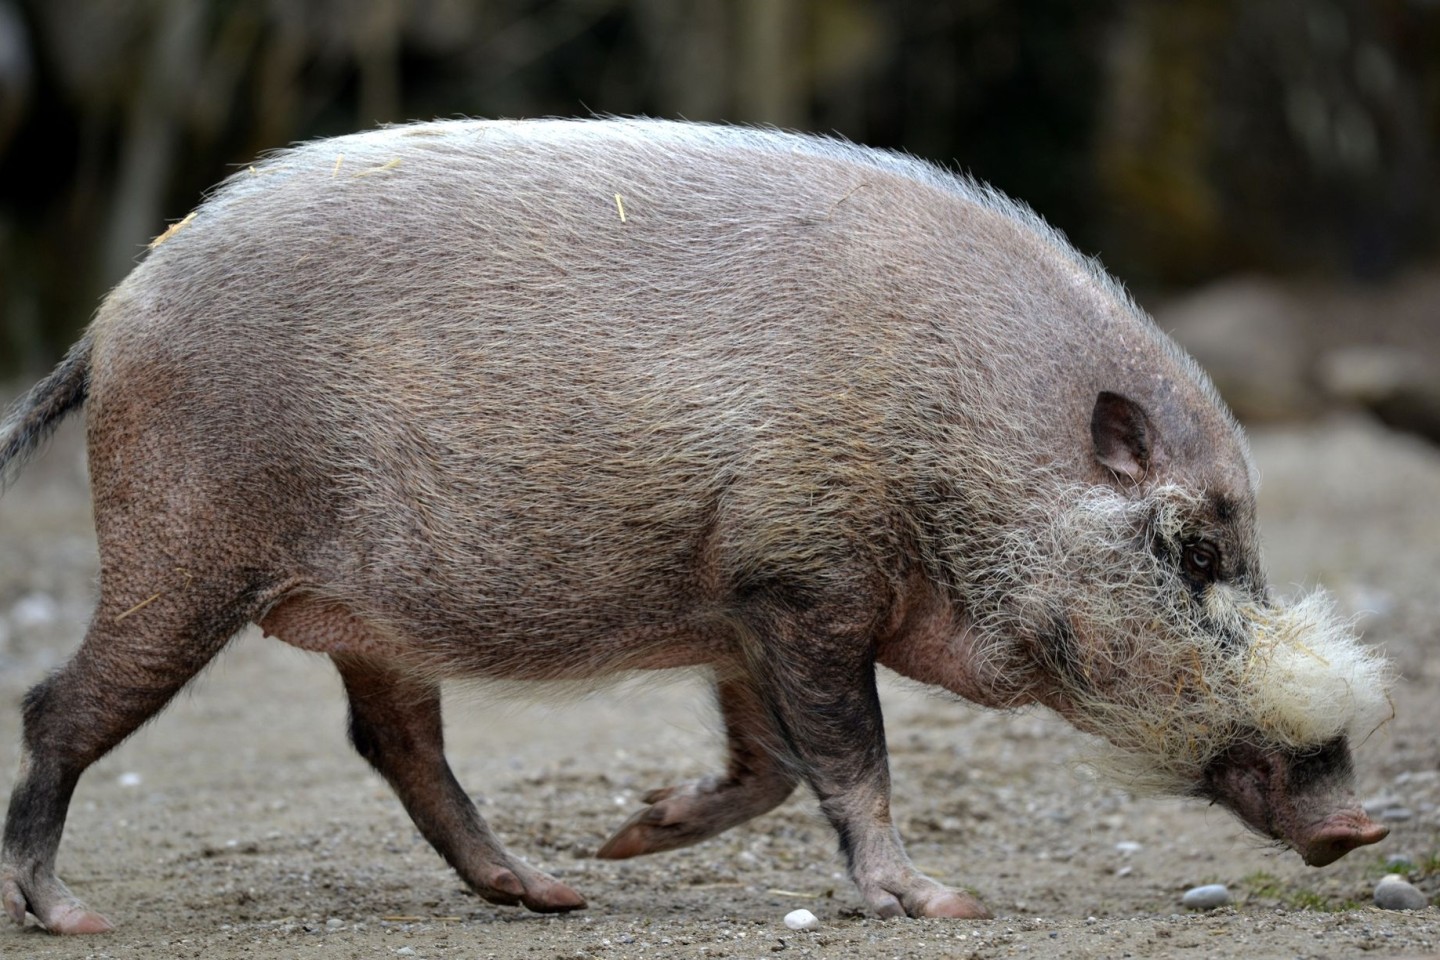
(1139, 611)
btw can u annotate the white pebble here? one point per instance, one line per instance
(1127, 847)
(1394, 892)
(34, 610)
(1208, 897)
(801, 920)
(128, 779)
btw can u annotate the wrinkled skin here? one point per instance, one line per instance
(1304, 800)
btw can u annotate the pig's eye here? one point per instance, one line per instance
(1201, 561)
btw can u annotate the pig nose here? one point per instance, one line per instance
(1339, 835)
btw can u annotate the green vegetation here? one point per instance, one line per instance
(1268, 887)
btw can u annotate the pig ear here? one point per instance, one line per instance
(1125, 440)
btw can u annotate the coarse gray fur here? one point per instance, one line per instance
(469, 350)
(550, 400)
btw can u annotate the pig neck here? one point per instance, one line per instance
(930, 640)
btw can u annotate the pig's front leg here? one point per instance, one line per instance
(395, 724)
(756, 780)
(814, 668)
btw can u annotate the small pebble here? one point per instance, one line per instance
(34, 610)
(1208, 897)
(801, 920)
(129, 779)
(1394, 892)
(1126, 847)
(1397, 814)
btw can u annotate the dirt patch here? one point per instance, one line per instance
(241, 824)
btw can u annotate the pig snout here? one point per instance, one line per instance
(1340, 833)
(1301, 798)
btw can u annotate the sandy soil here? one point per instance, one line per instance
(240, 824)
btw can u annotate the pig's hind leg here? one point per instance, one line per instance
(756, 780)
(395, 725)
(138, 653)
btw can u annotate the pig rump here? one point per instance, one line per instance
(1170, 677)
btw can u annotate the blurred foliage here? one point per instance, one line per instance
(1177, 140)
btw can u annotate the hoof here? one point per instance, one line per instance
(519, 885)
(919, 896)
(636, 836)
(53, 906)
(686, 814)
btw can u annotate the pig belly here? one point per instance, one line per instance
(326, 626)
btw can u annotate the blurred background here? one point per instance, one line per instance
(1265, 174)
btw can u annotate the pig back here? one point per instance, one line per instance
(546, 378)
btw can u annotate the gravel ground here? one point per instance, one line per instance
(240, 824)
